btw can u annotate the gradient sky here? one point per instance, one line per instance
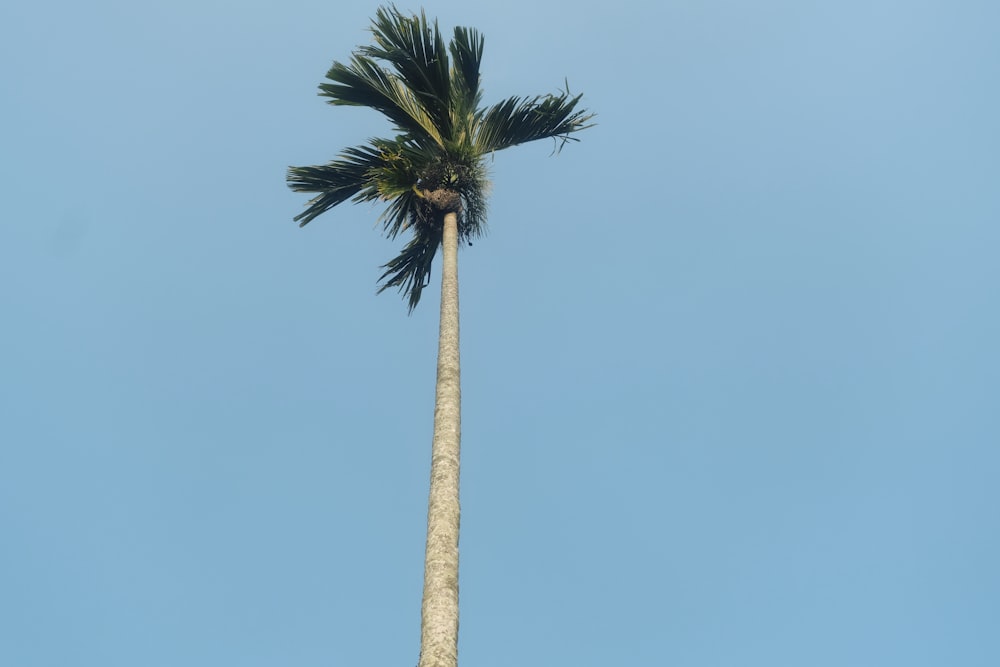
(730, 363)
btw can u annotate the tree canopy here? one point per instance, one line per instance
(430, 92)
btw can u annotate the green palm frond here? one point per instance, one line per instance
(385, 170)
(467, 52)
(411, 270)
(518, 120)
(405, 211)
(336, 181)
(473, 220)
(418, 54)
(364, 83)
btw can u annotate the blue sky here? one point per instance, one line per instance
(730, 364)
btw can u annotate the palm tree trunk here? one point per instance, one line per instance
(439, 610)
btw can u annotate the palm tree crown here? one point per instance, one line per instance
(435, 164)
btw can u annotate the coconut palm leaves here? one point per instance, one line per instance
(430, 91)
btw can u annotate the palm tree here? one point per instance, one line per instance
(433, 176)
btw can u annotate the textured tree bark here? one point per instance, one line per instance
(439, 610)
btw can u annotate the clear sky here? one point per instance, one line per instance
(731, 372)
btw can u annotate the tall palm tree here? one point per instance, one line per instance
(433, 176)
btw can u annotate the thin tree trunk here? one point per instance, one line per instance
(439, 610)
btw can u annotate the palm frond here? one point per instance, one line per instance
(518, 120)
(472, 223)
(406, 210)
(467, 53)
(418, 54)
(364, 83)
(386, 170)
(410, 271)
(337, 181)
